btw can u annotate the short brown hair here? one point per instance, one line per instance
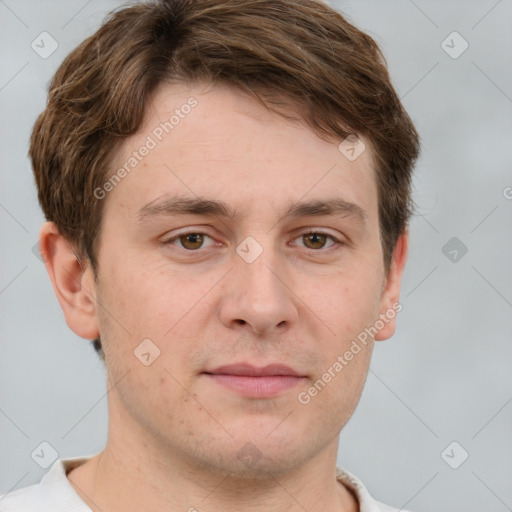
(301, 50)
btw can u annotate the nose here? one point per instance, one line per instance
(258, 297)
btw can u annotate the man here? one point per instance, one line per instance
(227, 189)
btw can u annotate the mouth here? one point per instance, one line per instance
(256, 382)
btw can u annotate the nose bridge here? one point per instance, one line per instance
(256, 275)
(258, 296)
(259, 276)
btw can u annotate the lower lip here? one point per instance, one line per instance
(257, 387)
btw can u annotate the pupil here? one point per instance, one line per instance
(317, 240)
(192, 240)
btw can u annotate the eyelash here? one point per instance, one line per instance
(336, 243)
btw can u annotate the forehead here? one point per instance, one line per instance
(218, 142)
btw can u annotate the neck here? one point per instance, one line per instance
(135, 473)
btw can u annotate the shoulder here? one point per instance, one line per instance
(27, 499)
(386, 508)
(366, 502)
(53, 493)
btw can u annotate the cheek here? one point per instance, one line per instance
(349, 303)
(149, 317)
(349, 306)
(333, 394)
(141, 303)
(155, 398)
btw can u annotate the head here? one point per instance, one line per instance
(188, 153)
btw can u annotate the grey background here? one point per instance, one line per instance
(444, 377)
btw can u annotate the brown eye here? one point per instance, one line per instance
(314, 240)
(192, 241)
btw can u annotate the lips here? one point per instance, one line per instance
(256, 382)
(247, 370)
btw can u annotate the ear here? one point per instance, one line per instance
(73, 284)
(390, 305)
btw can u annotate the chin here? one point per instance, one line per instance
(255, 457)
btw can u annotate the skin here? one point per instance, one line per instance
(174, 434)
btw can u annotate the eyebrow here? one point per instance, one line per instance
(185, 205)
(200, 206)
(335, 206)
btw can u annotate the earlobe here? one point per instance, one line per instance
(73, 284)
(390, 299)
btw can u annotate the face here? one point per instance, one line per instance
(239, 266)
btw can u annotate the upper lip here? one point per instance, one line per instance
(249, 370)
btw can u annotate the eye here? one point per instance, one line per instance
(190, 241)
(317, 240)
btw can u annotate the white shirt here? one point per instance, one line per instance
(54, 493)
